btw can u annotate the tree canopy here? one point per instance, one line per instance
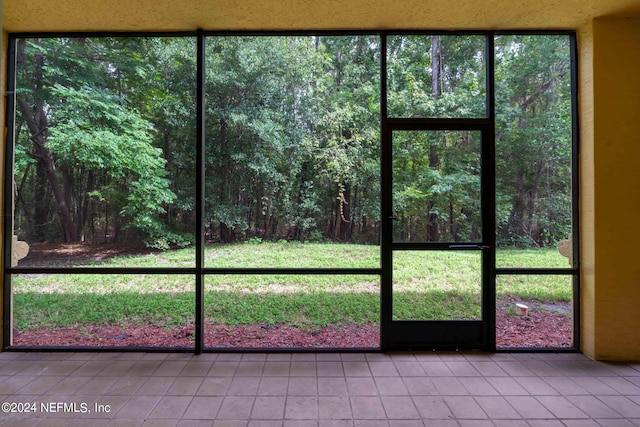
(106, 136)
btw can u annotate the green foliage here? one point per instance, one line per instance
(292, 138)
(84, 95)
(533, 140)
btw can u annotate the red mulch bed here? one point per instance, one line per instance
(215, 336)
(546, 326)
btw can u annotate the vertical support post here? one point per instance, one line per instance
(575, 190)
(489, 205)
(8, 134)
(200, 183)
(386, 279)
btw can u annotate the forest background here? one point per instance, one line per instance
(105, 137)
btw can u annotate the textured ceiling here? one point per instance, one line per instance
(176, 15)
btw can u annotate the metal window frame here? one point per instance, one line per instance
(199, 271)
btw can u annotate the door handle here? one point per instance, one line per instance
(470, 246)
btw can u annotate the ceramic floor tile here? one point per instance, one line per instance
(383, 369)
(185, 386)
(622, 369)
(543, 369)
(511, 423)
(593, 385)
(68, 385)
(223, 368)
(98, 385)
(621, 385)
(214, 386)
(516, 369)
(276, 369)
(196, 369)
(353, 357)
(565, 386)
(420, 386)
(545, 423)
(324, 389)
(580, 423)
(171, 407)
(273, 386)
(449, 386)
(367, 408)
(302, 369)
(432, 407)
(328, 357)
(488, 369)
(254, 357)
(622, 405)
(301, 408)
(127, 385)
(406, 423)
(478, 386)
(330, 369)
(268, 408)
(243, 386)
(330, 386)
(303, 386)
(391, 386)
(236, 408)
(593, 407)
(464, 407)
(596, 368)
(436, 369)
(170, 368)
(229, 357)
(615, 423)
(536, 386)
(114, 369)
(89, 368)
(410, 369)
(507, 386)
(334, 407)
(496, 407)
(356, 369)
(528, 407)
(280, 357)
(64, 367)
(462, 369)
(203, 408)
(333, 423)
(361, 386)
(155, 386)
(305, 357)
(41, 385)
(144, 368)
(399, 407)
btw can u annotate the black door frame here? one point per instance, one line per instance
(446, 334)
(440, 334)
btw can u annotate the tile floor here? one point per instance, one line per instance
(316, 389)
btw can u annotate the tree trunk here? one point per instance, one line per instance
(226, 233)
(38, 130)
(37, 125)
(433, 231)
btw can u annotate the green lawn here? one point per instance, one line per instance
(427, 285)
